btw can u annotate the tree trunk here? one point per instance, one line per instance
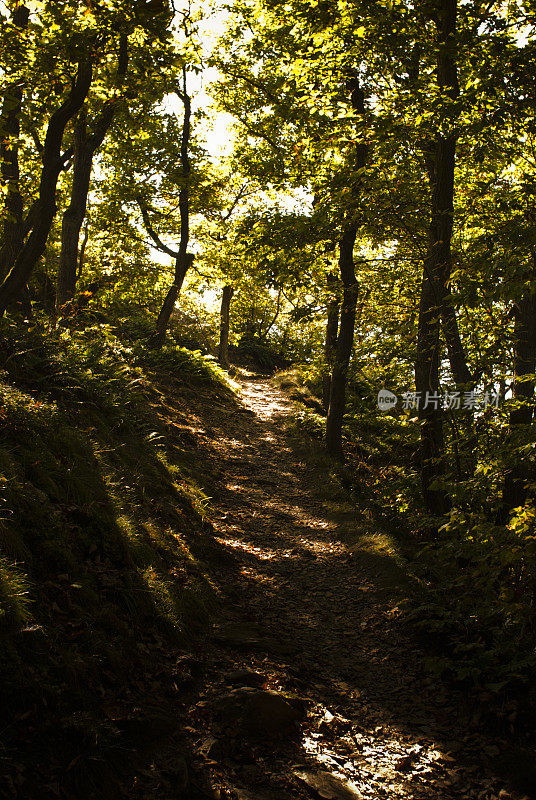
(73, 216)
(463, 437)
(13, 229)
(427, 386)
(223, 349)
(182, 265)
(522, 415)
(263, 335)
(12, 234)
(85, 147)
(330, 346)
(456, 351)
(81, 255)
(437, 269)
(345, 340)
(183, 259)
(34, 246)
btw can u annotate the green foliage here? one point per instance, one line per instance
(258, 354)
(95, 424)
(478, 599)
(104, 513)
(191, 366)
(14, 600)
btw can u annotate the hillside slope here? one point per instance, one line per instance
(103, 588)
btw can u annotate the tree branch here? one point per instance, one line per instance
(151, 231)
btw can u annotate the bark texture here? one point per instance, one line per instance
(85, 147)
(13, 227)
(12, 233)
(437, 268)
(53, 163)
(456, 351)
(183, 259)
(223, 349)
(330, 345)
(522, 415)
(345, 338)
(345, 341)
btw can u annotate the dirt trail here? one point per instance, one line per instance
(314, 619)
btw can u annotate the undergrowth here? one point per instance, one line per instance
(102, 536)
(473, 596)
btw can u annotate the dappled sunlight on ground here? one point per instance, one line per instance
(312, 618)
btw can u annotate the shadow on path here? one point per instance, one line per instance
(314, 618)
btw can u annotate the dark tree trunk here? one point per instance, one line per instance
(330, 346)
(81, 256)
(345, 341)
(53, 163)
(73, 216)
(182, 265)
(463, 437)
(183, 259)
(85, 147)
(13, 228)
(456, 351)
(12, 234)
(427, 386)
(522, 415)
(437, 269)
(223, 349)
(345, 338)
(263, 334)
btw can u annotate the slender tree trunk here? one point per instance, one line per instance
(463, 437)
(75, 213)
(437, 269)
(82, 254)
(223, 349)
(85, 147)
(12, 234)
(34, 246)
(13, 228)
(456, 351)
(330, 346)
(345, 340)
(522, 415)
(73, 216)
(182, 265)
(183, 260)
(427, 386)
(263, 334)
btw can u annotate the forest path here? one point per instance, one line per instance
(315, 619)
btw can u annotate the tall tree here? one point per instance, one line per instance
(345, 337)
(223, 347)
(85, 146)
(437, 267)
(330, 342)
(13, 228)
(183, 259)
(53, 163)
(524, 369)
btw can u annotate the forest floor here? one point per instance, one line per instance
(311, 686)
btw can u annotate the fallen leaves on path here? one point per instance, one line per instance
(304, 617)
